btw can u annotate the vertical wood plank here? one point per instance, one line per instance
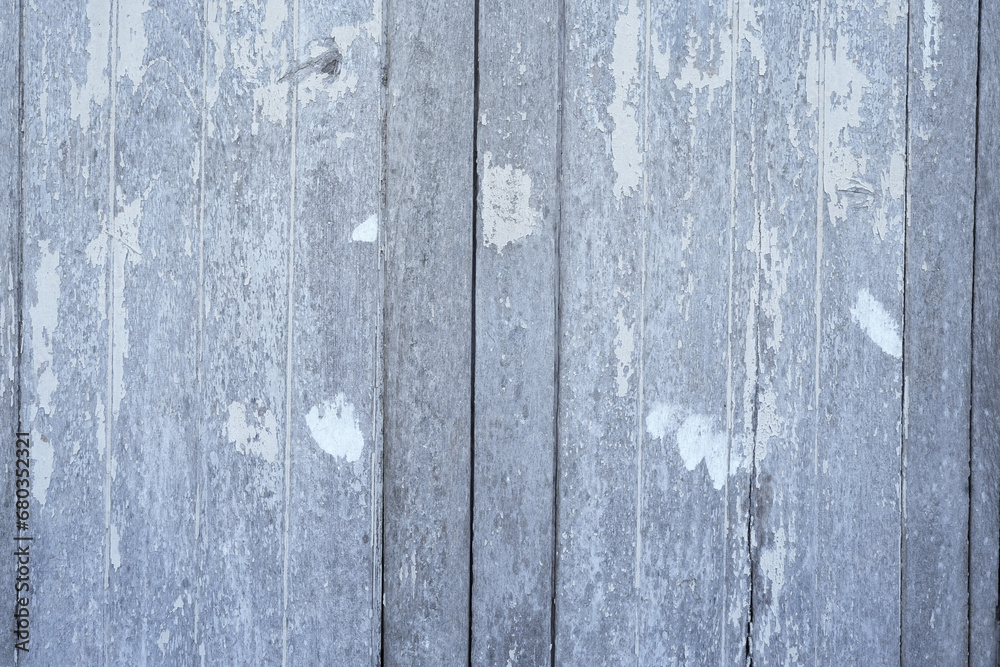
(984, 522)
(334, 575)
(693, 579)
(428, 337)
(601, 269)
(858, 306)
(153, 263)
(937, 352)
(246, 222)
(518, 211)
(67, 313)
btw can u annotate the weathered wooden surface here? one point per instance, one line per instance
(428, 333)
(937, 353)
(515, 320)
(984, 482)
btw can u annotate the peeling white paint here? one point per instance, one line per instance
(335, 428)
(42, 464)
(132, 42)
(95, 88)
(624, 349)
(367, 231)
(697, 439)
(126, 235)
(44, 319)
(843, 170)
(661, 57)
(662, 420)
(715, 73)
(162, 642)
(507, 212)
(931, 43)
(253, 431)
(625, 147)
(877, 323)
(115, 552)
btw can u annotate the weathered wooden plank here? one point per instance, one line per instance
(601, 250)
(858, 307)
(334, 574)
(428, 337)
(68, 190)
(518, 211)
(244, 261)
(693, 574)
(984, 521)
(153, 263)
(940, 190)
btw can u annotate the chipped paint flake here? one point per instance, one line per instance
(44, 319)
(367, 231)
(507, 212)
(253, 431)
(625, 149)
(95, 88)
(162, 642)
(877, 323)
(624, 349)
(132, 42)
(931, 43)
(335, 428)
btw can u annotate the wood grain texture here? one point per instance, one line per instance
(516, 275)
(859, 301)
(153, 276)
(68, 190)
(334, 573)
(984, 522)
(428, 333)
(693, 578)
(937, 351)
(245, 224)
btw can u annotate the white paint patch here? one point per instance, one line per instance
(367, 231)
(95, 88)
(335, 429)
(179, 603)
(843, 169)
(626, 156)
(256, 433)
(661, 57)
(42, 463)
(624, 349)
(507, 212)
(44, 319)
(132, 41)
(115, 552)
(162, 642)
(697, 440)
(662, 420)
(876, 321)
(931, 43)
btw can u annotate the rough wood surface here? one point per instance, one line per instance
(984, 522)
(516, 273)
(937, 351)
(428, 333)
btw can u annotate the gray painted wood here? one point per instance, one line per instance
(984, 522)
(68, 197)
(695, 428)
(428, 336)
(245, 224)
(334, 574)
(937, 351)
(152, 263)
(516, 275)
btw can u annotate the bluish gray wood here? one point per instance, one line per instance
(152, 260)
(937, 354)
(515, 332)
(984, 522)
(68, 315)
(334, 573)
(242, 500)
(601, 322)
(861, 81)
(777, 124)
(696, 397)
(10, 278)
(428, 336)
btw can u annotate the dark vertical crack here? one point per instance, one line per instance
(903, 448)
(381, 354)
(557, 324)
(17, 248)
(475, 226)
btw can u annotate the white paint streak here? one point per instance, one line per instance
(116, 554)
(626, 157)
(931, 42)
(44, 319)
(132, 41)
(367, 231)
(507, 212)
(95, 88)
(624, 349)
(335, 429)
(876, 321)
(42, 464)
(257, 435)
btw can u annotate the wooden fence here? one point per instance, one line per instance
(564, 332)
